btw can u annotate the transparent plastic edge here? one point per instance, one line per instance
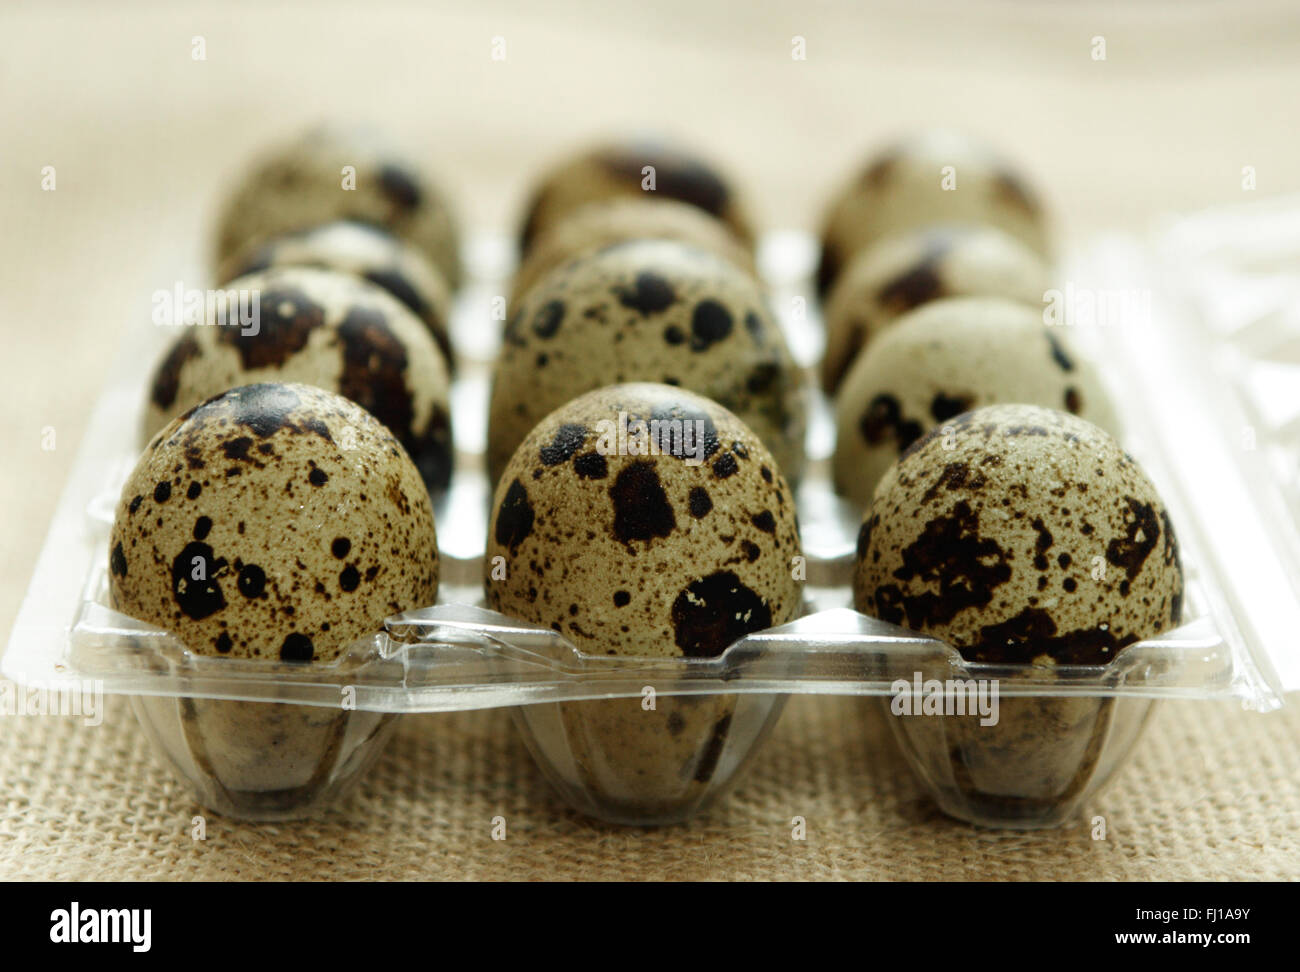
(1172, 406)
(38, 640)
(1246, 239)
(455, 656)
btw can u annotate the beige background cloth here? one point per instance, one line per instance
(142, 138)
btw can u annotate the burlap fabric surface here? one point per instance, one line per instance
(1213, 793)
(143, 136)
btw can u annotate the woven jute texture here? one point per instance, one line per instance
(1212, 793)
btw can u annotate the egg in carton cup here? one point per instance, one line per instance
(651, 526)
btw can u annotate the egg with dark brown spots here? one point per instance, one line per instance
(930, 178)
(647, 311)
(599, 224)
(1020, 535)
(673, 540)
(674, 553)
(899, 274)
(644, 168)
(274, 521)
(336, 172)
(322, 328)
(364, 251)
(946, 358)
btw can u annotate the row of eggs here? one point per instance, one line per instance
(981, 535)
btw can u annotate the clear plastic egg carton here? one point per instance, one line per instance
(656, 740)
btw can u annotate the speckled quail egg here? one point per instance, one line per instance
(647, 310)
(273, 521)
(677, 551)
(336, 172)
(1020, 534)
(363, 251)
(276, 524)
(934, 177)
(596, 225)
(901, 273)
(332, 330)
(622, 169)
(945, 358)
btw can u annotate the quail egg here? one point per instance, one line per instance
(678, 550)
(597, 225)
(935, 177)
(363, 251)
(1020, 534)
(901, 273)
(637, 168)
(643, 520)
(274, 524)
(331, 173)
(945, 358)
(647, 310)
(1022, 537)
(332, 330)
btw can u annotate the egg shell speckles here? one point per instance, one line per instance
(651, 311)
(903, 272)
(363, 251)
(326, 329)
(600, 224)
(945, 358)
(306, 522)
(301, 183)
(903, 188)
(643, 554)
(1023, 535)
(618, 170)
